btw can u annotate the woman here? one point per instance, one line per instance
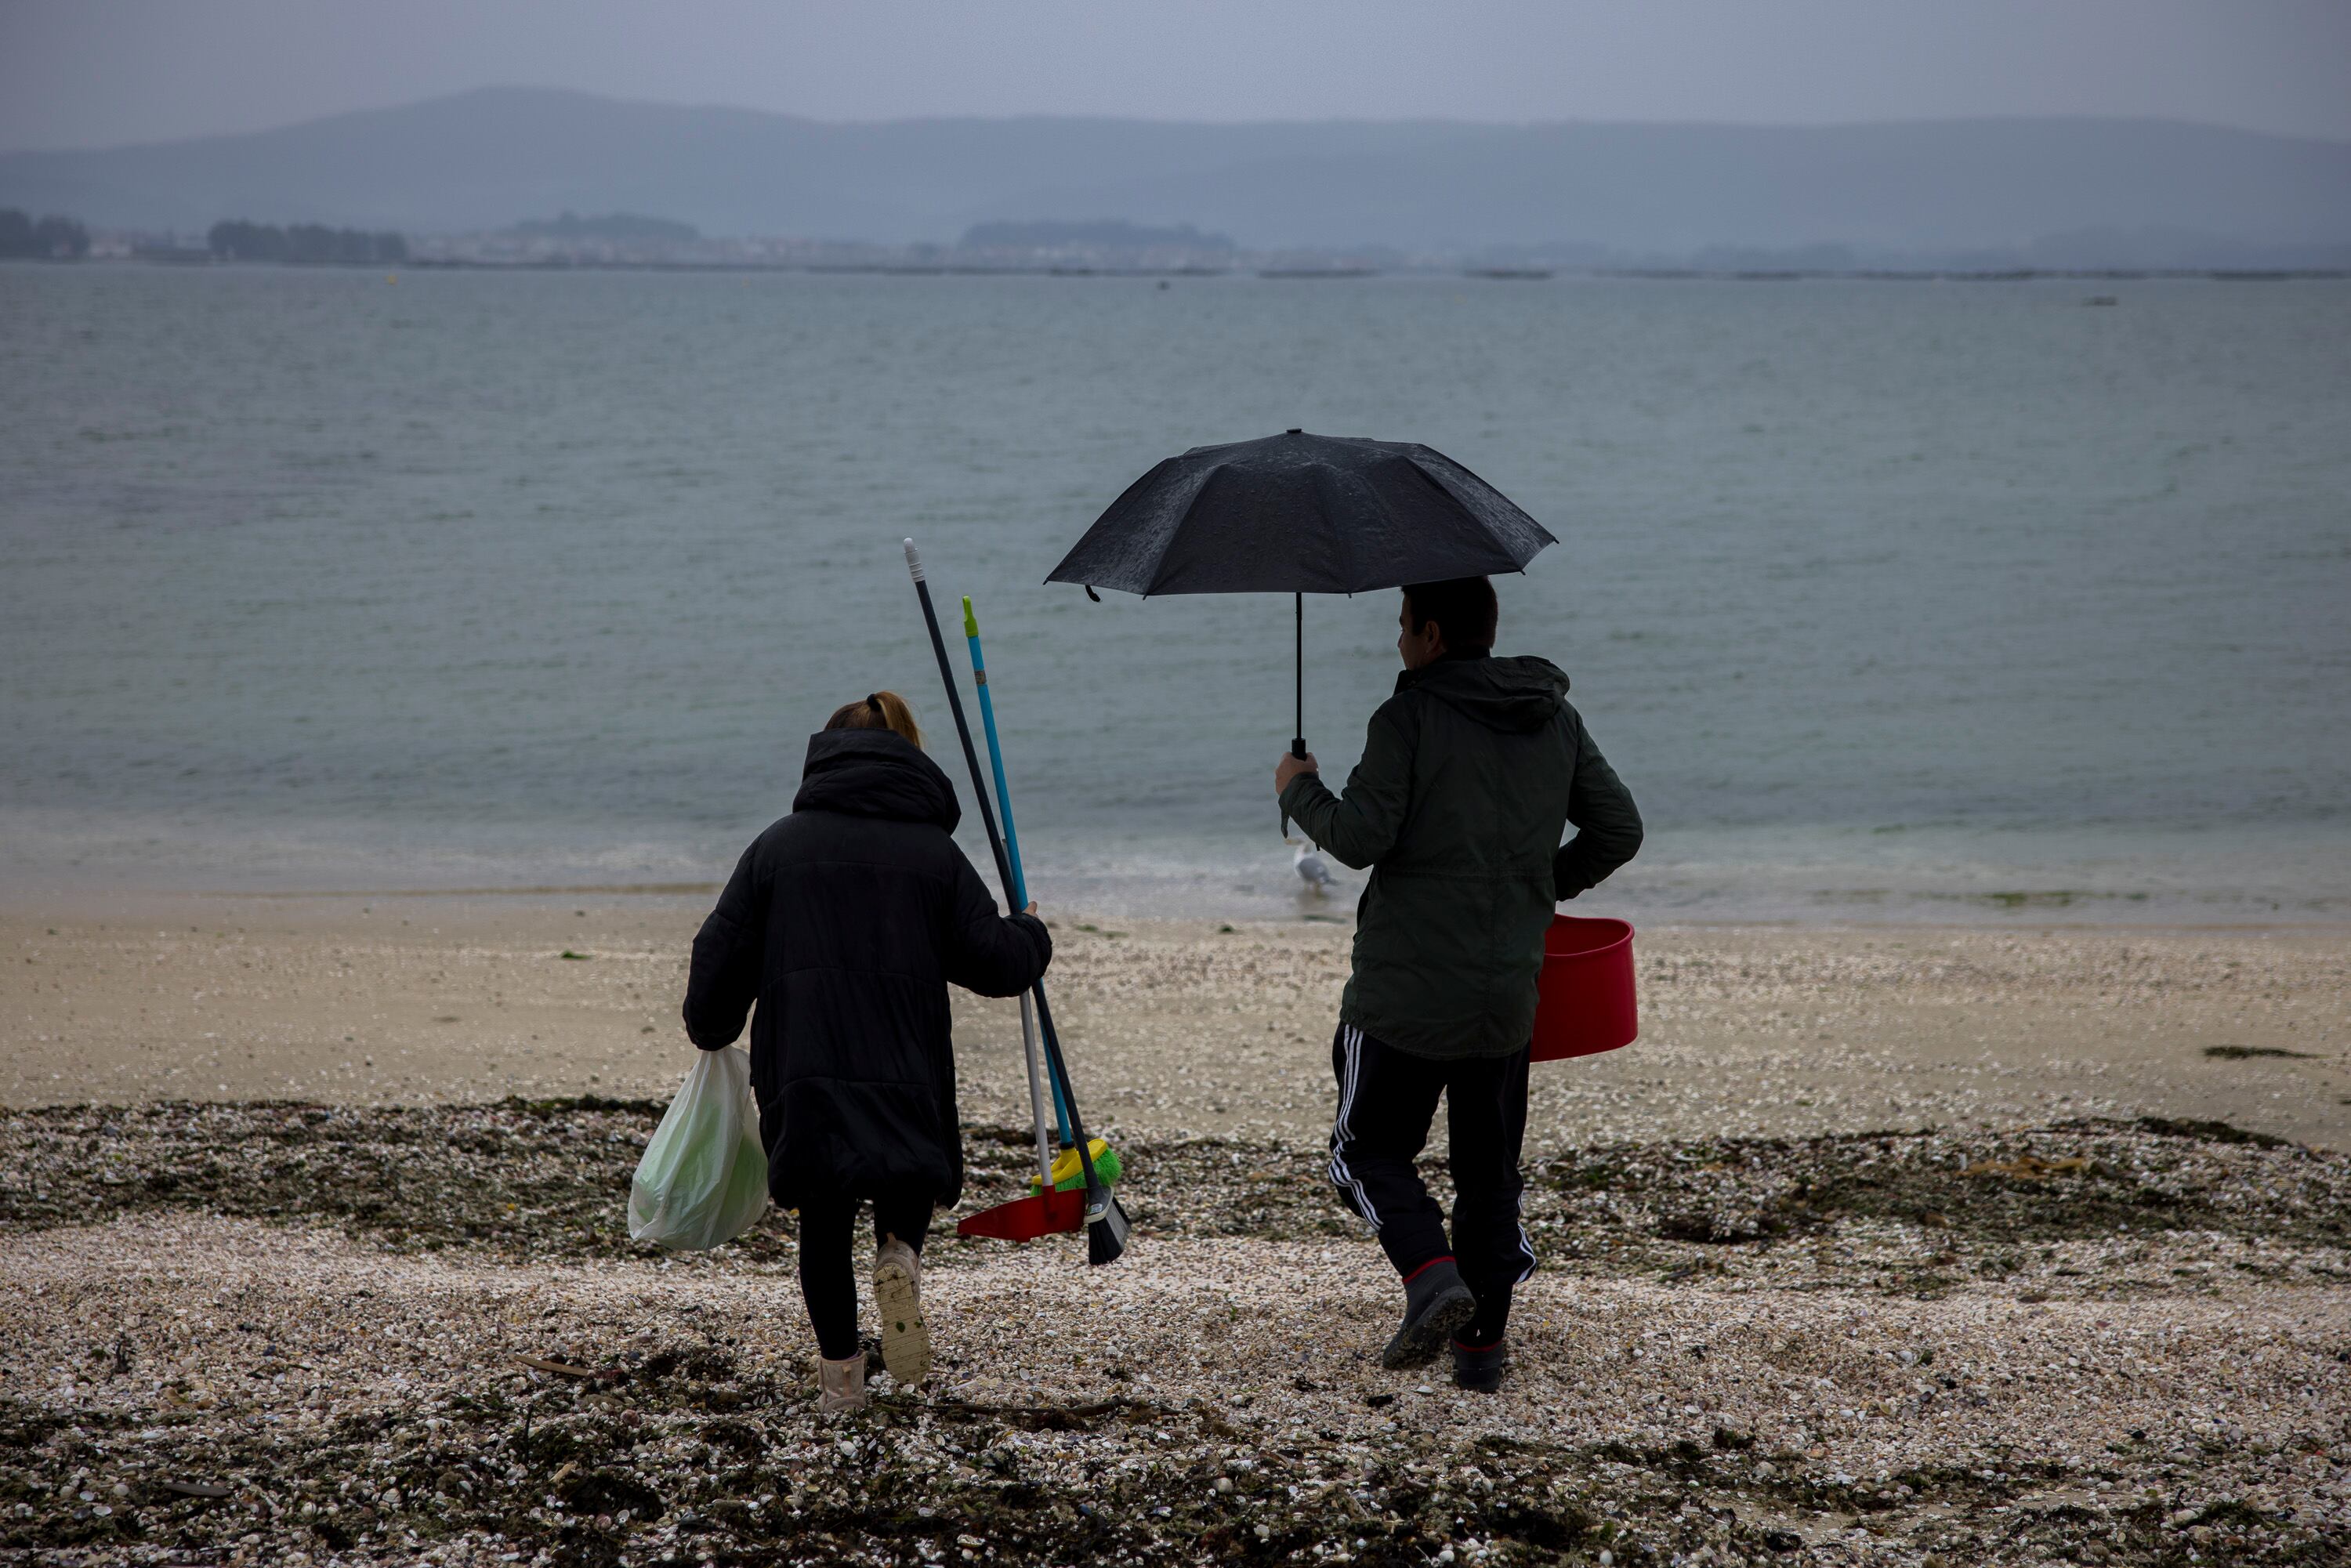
(845, 922)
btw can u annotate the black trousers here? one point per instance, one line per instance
(1387, 1100)
(829, 1280)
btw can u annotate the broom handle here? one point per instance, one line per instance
(1036, 1091)
(1004, 869)
(1019, 889)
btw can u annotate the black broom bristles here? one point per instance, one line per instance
(1106, 1222)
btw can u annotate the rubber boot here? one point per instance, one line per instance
(1479, 1367)
(841, 1384)
(1436, 1304)
(898, 1297)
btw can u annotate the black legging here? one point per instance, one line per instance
(828, 1283)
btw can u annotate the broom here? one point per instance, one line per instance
(1106, 1222)
(1049, 1210)
(1018, 892)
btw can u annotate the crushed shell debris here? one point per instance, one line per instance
(300, 1333)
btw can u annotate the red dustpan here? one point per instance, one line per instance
(1027, 1219)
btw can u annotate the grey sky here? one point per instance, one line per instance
(101, 72)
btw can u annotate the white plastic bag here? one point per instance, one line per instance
(704, 1178)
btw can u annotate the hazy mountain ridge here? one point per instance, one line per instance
(485, 160)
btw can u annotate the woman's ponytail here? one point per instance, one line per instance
(879, 710)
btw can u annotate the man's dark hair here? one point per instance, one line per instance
(1463, 607)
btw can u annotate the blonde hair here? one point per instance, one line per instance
(880, 710)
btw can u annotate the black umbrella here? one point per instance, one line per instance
(1301, 514)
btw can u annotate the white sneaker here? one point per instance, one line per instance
(841, 1384)
(898, 1297)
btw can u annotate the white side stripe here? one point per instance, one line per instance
(1346, 1100)
(1351, 1077)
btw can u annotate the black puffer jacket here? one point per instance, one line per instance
(845, 922)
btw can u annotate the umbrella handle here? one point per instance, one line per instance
(1297, 749)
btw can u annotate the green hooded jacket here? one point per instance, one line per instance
(1470, 773)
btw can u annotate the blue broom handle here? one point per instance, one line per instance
(1004, 810)
(994, 755)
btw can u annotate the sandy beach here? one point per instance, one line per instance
(1180, 1029)
(1919, 1245)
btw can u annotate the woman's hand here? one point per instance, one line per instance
(1290, 767)
(1031, 909)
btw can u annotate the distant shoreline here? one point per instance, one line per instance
(1975, 915)
(1529, 274)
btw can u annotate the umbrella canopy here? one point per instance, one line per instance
(1303, 514)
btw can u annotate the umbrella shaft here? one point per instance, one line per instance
(1298, 739)
(1298, 745)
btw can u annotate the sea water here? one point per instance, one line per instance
(1888, 600)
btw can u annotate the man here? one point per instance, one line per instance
(1468, 773)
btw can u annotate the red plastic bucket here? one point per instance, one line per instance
(1586, 1002)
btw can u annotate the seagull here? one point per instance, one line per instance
(1312, 870)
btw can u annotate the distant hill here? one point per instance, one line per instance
(475, 162)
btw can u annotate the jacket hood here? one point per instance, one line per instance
(1515, 696)
(875, 773)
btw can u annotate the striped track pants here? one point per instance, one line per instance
(1387, 1102)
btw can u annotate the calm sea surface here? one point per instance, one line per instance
(1889, 601)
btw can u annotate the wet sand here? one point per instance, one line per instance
(1190, 1028)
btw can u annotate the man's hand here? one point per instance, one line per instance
(1290, 767)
